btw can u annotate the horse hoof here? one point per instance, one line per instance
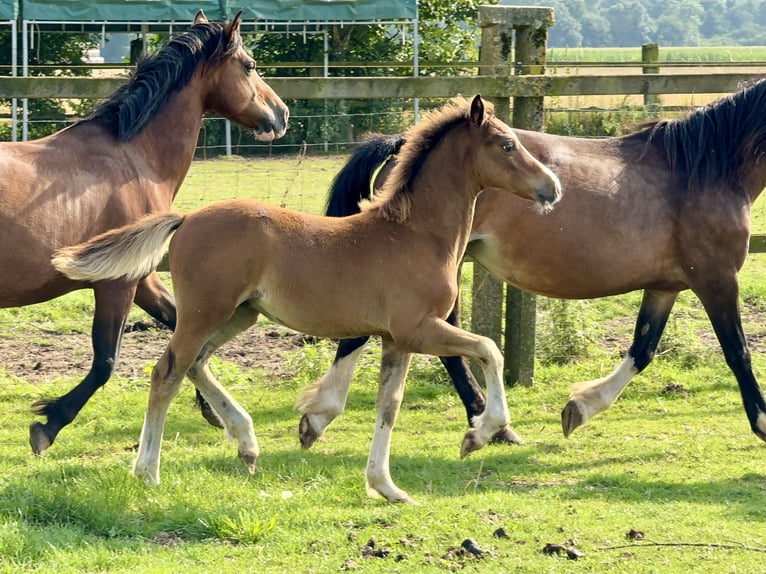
(211, 416)
(506, 436)
(249, 461)
(306, 433)
(471, 443)
(571, 417)
(38, 439)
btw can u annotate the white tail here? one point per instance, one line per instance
(130, 252)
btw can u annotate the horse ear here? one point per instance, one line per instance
(232, 27)
(200, 18)
(477, 110)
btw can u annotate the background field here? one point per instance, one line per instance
(673, 460)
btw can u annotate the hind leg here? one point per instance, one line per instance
(393, 371)
(237, 422)
(154, 298)
(187, 346)
(592, 397)
(113, 301)
(324, 400)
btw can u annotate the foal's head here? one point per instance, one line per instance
(486, 149)
(504, 164)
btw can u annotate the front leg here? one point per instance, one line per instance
(324, 400)
(720, 299)
(434, 336)
(592, 397)
(393, 371)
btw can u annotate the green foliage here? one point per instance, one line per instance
(55, 54)
(595, 124)
(669, 23)
(567, 331)
(245, 528)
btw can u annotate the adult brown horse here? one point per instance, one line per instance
(664, 209)
(126, 160)
(389, 271)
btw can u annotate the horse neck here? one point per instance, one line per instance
(755, 181)
(444, 195)
(169, 140)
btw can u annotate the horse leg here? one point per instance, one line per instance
(237, 422)
(113, 301)
(393, 371)
(589, 398)
(187, 347)
(325, 399)
(720, 300)
(435, 336)
(468, 388)
(154, 298)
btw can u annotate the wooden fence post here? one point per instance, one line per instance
(530, 25)
(650, 54)
(487, 290)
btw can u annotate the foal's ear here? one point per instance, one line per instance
(232, 27)
(477, 110)
(200, 18)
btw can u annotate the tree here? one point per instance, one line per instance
(58, 52)
(448, 33)
(630, 23)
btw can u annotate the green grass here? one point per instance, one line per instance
(682, 467)
(689, 54)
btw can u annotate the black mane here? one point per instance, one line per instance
(158, 76)
(716, 143)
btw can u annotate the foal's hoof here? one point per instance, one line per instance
(38, 438)
(506, 435)
(306, 432)
(211, 416)
(571, 417)
(471, 443)
(249, 461)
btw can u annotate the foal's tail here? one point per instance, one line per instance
(130, 252)
(352, 183)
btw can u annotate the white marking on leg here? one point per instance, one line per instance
(496, 414)
(378, 478)
(162, 391)
(238, 424)
(593, 397)
(324, 400)
(761, 423)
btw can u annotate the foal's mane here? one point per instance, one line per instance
(716, 143)
(158, 76)
(394, 200)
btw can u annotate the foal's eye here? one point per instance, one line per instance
(509, 146)
(250, 67)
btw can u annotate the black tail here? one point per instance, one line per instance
(352, 183)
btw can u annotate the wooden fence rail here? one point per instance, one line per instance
(704, 82)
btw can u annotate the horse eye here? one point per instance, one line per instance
(250, 67)
(509, 146)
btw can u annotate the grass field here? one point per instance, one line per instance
(673, 461)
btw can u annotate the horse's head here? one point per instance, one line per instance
(236, 91)
(503, 163)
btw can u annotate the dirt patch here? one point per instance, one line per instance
(70, 354)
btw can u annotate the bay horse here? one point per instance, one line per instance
(124, 161)
(663, 209)
(389, 271)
